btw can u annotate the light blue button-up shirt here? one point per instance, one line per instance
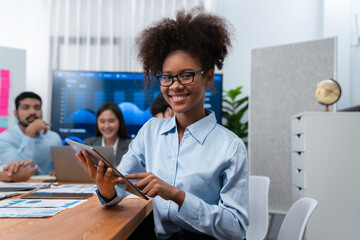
(15, 145)
(209, 164)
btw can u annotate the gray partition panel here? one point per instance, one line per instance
(283, 82)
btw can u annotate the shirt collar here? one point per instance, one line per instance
(169, 125)
(199, 130)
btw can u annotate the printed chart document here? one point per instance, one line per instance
(21, 186)
(71, 188)
(29, 212)
(34, 208)
(40, 203)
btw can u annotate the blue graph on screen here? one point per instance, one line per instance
(77, 95)
(81, 116)
(134, 115)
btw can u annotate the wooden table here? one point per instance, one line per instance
(87, 221)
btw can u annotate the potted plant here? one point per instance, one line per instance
(234, 107)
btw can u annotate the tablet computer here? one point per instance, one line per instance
(16, 189)
(97, 157)
(48, 195)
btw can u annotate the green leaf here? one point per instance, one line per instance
(233, 93)
(227, 109)
(241, 101)
(234, 107)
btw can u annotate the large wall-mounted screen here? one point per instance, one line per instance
(77, 95)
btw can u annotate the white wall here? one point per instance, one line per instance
(24, 25)
(14, 24)
(355, 53)
(264, 23)
(337, 16)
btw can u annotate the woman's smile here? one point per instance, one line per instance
(178, 98)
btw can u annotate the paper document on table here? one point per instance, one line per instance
(29, 212)
(8, 194)
(40, 203)
(71, 188)
(132, 196)
(21, 186)
(42, 177)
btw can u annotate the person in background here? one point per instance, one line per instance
(195, 170)
(31, 138)
(110, 130)
(18, 172)
(159, 108)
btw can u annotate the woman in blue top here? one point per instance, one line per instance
(195, 170)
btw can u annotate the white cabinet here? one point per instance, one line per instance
(326, 166)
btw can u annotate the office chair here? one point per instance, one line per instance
(258, 207)
(294, 224)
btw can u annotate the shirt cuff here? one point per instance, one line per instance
(190, 209)
(119, 192)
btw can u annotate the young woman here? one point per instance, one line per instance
(110, 130)
(195, 170)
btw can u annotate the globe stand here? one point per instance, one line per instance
(326, 108)
(327, 92)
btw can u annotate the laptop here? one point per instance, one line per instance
(69, 169)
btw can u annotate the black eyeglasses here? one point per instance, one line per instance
(183, 78)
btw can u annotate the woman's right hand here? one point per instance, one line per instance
(104, 181)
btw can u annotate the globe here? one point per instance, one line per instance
(328, 92)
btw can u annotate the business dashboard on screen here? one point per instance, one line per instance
(77, 95)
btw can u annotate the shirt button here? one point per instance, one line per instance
(165, 205)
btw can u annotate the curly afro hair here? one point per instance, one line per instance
(204, 36)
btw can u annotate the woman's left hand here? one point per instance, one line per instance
(153, 186)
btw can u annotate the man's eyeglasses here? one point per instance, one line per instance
(183, 78)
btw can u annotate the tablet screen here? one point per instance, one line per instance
(96, 156)
(47, 195)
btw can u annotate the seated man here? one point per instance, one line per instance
(17, 171)
(160, 108)
(31, 138)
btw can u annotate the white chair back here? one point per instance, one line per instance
(294, 224)
(258, 207)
